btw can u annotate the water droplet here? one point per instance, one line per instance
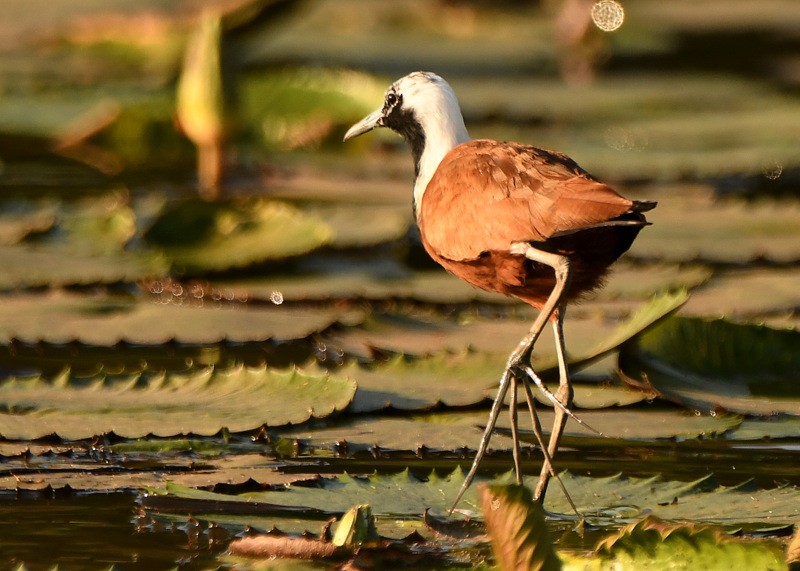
(276, 297)
(772, 170)
(608, 15)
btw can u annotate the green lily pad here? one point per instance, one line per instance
(712, 364)
(17, 224)
(357, 226)
(655, 544)
(37, 266)
(454, 430)
(101, 225)
(750, 293)
(420, 333)
(203, 402)
(297, 107)
(455, 380)
(200, 236)
(105, 320)
(605, 501)
(699, 227)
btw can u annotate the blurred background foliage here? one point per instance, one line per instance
(178, 216)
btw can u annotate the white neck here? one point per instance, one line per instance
(435, 150)
(444, 129)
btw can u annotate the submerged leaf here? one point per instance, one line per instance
(516, 527)
(712, 364)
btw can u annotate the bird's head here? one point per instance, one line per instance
(420, 106)
(423, 108)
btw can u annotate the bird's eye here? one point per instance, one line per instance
(391, 100)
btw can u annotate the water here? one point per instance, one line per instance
(94, 531)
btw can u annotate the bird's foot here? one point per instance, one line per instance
(557, 399)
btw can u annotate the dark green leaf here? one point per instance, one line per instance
(204, 402)
(200, 236)
(712, 364)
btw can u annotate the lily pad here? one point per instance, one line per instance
(711, 364)
(203, 402)
(37, 266)
(655, 544)
(357, 226)
(605, 501)
(200, 236)
(749, 293)
(452, 430)
(455, 380)
(106, 320)
(688, 227)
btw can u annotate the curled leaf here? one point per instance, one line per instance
(516, 527)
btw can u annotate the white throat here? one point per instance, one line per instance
(436, 147)
(441, 121)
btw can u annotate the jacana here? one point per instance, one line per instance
(508, 218)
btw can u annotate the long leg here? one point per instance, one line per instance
(522, 353)
(564, 395)
(512, 419)
(537, 431)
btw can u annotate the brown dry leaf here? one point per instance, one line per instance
(793, 550)
(265, 546)
(516, 526)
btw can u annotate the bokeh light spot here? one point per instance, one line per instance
(608, 15)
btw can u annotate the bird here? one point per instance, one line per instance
(509, 218)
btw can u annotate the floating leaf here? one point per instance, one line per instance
(712, 364)
(104, 226)
(297, 107)
(605, 501)
(456, 380)
(452, 380)
(654, 544)
(37, 266)
(453, 430)
(360, 225)
(697, 226)
(239, 399)
(107, 320)
(515, 524)
(747, 293)
(200, 236)
(659, 307)
(418, 332)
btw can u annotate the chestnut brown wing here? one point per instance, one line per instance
(486, 194)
